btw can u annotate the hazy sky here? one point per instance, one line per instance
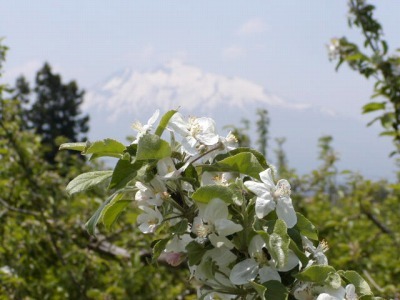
(280, 45)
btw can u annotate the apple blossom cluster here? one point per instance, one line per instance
(219, 209)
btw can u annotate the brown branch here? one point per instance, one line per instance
(18, 210)
(375, 220)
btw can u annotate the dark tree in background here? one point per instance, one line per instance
(54, 111)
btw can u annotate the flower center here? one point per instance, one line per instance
(282, 189)
(263, 257)
(203, 230)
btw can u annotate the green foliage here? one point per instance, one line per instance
(262, 130)
(373, 61)
(45, 251)
(51, 109)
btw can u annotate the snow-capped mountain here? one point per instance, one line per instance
(127, 96)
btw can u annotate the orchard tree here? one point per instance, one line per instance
(54, 109)
(372, 60)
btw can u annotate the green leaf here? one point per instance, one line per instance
(279, 243)
(112, 211)
(373, 106)
(164, 122)
(159, 247)
(316, 273)
(195, 252)
(306, 228)
(87, 180)
(388, 133)
(206, 193)
(91, 224)
(106, 147)
(300, 254)
(124, 172)
(260, 289)
(150, 146)
(74, 146)
(275, 290)
(361, 285)
(261, 159)
(245, 163)
(180, 227)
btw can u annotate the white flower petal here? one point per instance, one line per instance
(221, 256)
(244, 272)
(325, 296)
(226, 227)
(264, 207)
(257, 188)
(266, 177)
(286, 212)
(256, 244)
(351, 292)
(216, 209)
(220, 241)
(153, 118)
(268, 273)
(188, 146)
(291, 262)
(165, 166)
(178, 125)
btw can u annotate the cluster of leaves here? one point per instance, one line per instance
(374, 62)
(45, 251)
(216, 206)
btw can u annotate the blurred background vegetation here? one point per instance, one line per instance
(46, 253)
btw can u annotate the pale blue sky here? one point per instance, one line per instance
(279, 45)
(284, 52)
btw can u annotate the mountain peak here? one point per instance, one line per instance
(177, 84)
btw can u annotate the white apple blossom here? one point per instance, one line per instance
(213, 224)
(155, 194)
(315, 253)
(333, 49)
(271, 197)
(260, 263)
(149, 220)
(143, 129)
(218, 178)
(175, 251)
(312, 291)
(197, 133)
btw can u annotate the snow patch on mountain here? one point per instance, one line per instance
(179, 85)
